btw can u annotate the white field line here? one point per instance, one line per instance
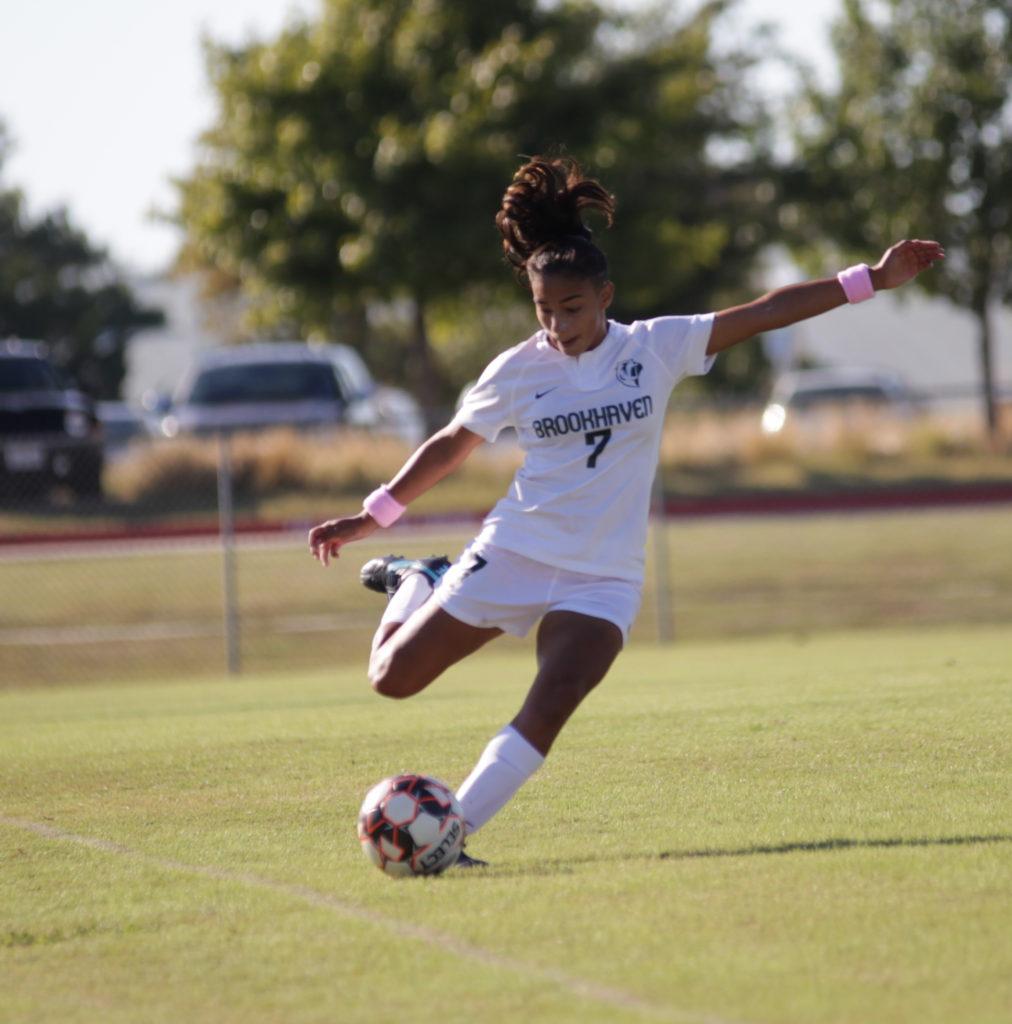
(443, 941)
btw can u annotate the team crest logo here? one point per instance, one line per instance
(628, 373)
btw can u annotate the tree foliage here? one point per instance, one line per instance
(916, 140)
(55, 286)
(359, 159)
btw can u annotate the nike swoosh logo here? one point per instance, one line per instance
(541, 394)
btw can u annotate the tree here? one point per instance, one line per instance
(58, 288)
(360, 157)
(917, 140)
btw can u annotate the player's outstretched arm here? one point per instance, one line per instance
(438, 456)
(785, 306)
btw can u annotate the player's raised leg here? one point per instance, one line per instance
(408, 584)
(407, 656)
(574, 652)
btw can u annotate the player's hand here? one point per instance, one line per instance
(904, 261)
(327, 539)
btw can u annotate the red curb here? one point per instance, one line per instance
(198, 531)
(788, 504)
(133, 533)
(746, 504)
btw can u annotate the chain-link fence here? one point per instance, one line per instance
(190, 557)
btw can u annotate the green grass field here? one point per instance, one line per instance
(773, 830)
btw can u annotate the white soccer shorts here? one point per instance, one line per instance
(492, 587)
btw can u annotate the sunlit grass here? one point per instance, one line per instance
(761, 830)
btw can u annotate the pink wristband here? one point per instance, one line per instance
(856, 282)
(383, 506)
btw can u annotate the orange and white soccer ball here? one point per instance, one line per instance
(411, 825)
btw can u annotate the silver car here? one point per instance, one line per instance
(272, 384)
(804, 392)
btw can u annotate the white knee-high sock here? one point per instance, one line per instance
(506, 764)
(411, 594)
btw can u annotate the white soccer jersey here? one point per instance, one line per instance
(590, 426)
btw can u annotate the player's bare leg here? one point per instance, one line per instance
(400, 668)
(412, 654)
(574, 653)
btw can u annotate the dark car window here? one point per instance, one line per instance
(27, 375)
(264, 382)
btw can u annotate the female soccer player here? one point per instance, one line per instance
(565, 546)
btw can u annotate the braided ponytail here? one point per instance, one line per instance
(541, 220)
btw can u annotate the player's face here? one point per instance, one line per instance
(572, 310)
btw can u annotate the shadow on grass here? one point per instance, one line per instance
(556, 867)
(820, 845)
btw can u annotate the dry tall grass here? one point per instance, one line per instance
(706, 450)
(845, 442)
(856, 433)
(184, 471)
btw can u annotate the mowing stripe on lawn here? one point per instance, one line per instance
(400, 929)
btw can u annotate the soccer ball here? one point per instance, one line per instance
(411, 825)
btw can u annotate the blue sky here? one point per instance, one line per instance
(104, 100)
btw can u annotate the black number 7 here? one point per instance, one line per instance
(477, 562)
(601, 438)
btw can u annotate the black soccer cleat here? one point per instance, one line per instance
(387, 573)
(467, 861)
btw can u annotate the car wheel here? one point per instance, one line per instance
(85, 479)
